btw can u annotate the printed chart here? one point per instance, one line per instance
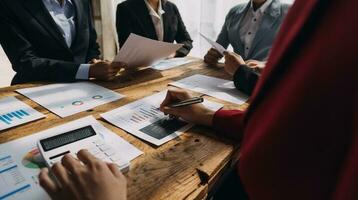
(33, 159)
(20, 160)
(13, 112)
(143, 119)
(69, 99)
(12, 182)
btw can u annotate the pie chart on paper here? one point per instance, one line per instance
(33, 160)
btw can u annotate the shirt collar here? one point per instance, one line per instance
(56, 2)
(263, 8)
(152, 11)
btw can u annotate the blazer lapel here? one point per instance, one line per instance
(39, 11)
(166, 21)
(78, 19)
(267, 23)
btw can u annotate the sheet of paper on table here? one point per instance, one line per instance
(143, 119)
(14, 112)
(171, 63)
(215, 87)
(214, 44)
(68, 99)
(20, 160)
(139, 51)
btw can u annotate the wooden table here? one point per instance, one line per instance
(185, 168)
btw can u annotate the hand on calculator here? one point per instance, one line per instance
(86, 178)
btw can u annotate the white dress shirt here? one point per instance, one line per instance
(251, 24)
(64, 16)
(157, 18)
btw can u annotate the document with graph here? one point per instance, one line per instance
(14, 112)
(70, 98)
(21, 160)
(144, 120)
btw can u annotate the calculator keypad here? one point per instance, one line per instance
(104, 152)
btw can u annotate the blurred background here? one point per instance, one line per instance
(200, 16)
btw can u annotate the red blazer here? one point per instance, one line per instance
(300, 133)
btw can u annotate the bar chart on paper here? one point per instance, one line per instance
(12, 182)
(14, 112)
(143, 119)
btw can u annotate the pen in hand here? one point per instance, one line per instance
(188, 102)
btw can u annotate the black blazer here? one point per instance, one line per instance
(245, 79)
(133, 17)
(35, 46)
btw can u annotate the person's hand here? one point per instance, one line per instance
(104, 70)
(196, 113)
(232, 62)
(259, 65)
(171, 56)
(91, 180)
(212, 57)
(94, 61)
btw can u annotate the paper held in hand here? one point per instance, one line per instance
(139, 51)
(215, 45)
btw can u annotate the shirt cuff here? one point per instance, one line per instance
(83, 72)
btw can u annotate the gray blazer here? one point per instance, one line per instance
(265, 36)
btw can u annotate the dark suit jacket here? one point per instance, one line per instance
(35, 46)
(245, 79)
(133, 17)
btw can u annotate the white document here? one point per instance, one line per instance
(214, 44)
(68, 99)
(20, 160)
(215, 87)
(143, 119)
(139, 51)
(14, 112)
(171, 63)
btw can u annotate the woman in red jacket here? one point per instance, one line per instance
(299, 137)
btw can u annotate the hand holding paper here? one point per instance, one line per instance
(215, 45)
(139, 51)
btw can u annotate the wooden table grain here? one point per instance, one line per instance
(184, 168)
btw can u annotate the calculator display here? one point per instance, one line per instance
(67, 138)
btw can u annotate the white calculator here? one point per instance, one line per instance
(54, 148)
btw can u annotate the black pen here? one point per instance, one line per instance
(188, 102)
